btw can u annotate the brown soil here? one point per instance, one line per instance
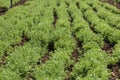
(19, 3)
(3, 60)
(30, 77)
(108, 48)
(55, 17)
(3, 10)
(118, 5)
(45, 58)
(78, 43)
(112, 2)
(109, 1)
(24, 39)
(69, 69)
(115, 71)
(75, 57)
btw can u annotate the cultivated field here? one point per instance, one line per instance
(59, 40)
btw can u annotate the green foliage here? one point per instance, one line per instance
(6, 3)
(3, 48)
(8, 74)
(118, 1)
(54, 68)
(116, 55)
(92, 65)
(63, 39)
(80, 30)
(23, 59)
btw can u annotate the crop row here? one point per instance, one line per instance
(38, 41)
(7, 3)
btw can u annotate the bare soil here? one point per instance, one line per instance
(3, 10)
(3, 59)
(115, 71)
(45, 58)
(55, 17)
(19, 3)
(75, 57)
(112, 2)
(24, 39)
(107, 48)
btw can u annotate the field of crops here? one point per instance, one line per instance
(59, 40)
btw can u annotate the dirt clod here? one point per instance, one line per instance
(115, 73)
(108, 48)
(3, 10)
